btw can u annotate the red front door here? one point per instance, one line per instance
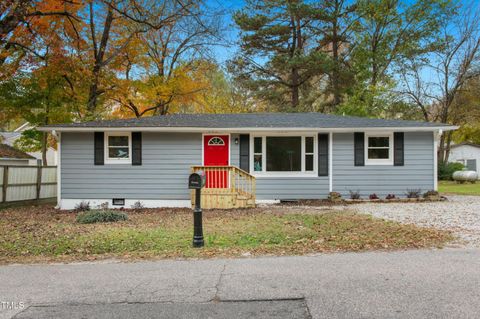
(216, 153)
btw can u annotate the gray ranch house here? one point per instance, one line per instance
(247, 158)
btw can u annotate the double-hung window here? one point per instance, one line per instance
(258, 154)
(379, 149)
(283, 155)
(309, 154)
(118, 148)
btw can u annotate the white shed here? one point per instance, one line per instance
(11, 156)
(9, 138)
(468, 154)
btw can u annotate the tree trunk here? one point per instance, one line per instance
(374, 73)
(447, 147)
(92, 96)
(441, 150)
(99, 55)
(44, 149)
(336, 64)
(444, 147)
(297, 47)
(295, 88)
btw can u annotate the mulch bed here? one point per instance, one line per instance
(327, 202)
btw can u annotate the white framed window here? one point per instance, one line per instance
(309, 154)
(283, 155)
(258, 154)
(379, 149)
(118, 148)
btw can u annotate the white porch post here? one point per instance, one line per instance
(436, 136)
(59, 170)
(330, 162)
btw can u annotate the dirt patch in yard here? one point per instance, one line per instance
(41, 233)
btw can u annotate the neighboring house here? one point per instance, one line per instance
(10, 138)
(468, 154)
(11, 156)
(286, 155)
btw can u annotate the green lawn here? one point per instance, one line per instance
(38, 234)
(450, 187)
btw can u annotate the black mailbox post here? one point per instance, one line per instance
(196, 181)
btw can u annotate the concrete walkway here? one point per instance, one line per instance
(408, 284)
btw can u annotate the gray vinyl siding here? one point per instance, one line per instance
(166, 163)
(168, 157)
(417, 173)
(279, 188)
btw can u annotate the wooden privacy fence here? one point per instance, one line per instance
(27, 182)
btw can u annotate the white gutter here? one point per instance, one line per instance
(246, 129)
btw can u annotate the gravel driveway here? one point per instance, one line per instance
(460, 214)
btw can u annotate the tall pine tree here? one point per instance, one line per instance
(279, 50)
(339, 23)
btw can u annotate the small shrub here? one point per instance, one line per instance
(101, 216)
(373, 196)
(83, 206)
(431, 195)
(413, 193)
(390, 196)
(334, 196)
(445, 171)
(354, 194)
(137, 205)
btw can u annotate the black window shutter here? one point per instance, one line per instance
(136, 148)
(99, 150)
(245, 152)
(398, 149)
(359, 147)
(322, 154)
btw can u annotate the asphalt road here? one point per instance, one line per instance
(409, 284)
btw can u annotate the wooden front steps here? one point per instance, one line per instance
(226, 187)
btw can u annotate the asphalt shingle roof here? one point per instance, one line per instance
(7, 151)
(254, 120)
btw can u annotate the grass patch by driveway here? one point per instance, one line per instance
(450, 187)
(35, 234)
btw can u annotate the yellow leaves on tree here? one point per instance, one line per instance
(160, 95)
